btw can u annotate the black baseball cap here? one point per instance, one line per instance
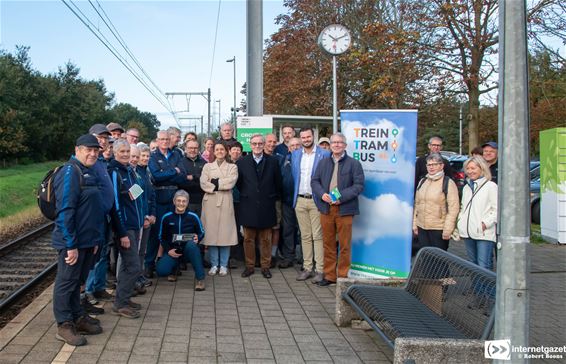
(98, 129)
(87, 140)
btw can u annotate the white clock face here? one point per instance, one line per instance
(335, 39)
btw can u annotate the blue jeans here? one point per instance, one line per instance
(96, 280)
(480, 252)
(219, 252)
(166, 264)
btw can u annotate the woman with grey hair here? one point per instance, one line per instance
(436, 205)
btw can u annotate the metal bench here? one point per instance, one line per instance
(445, 296)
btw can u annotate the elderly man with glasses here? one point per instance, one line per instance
(434, 146)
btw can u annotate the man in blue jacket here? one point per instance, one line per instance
(303, 164)
(337, 183)
(79, 231)
(166, 169)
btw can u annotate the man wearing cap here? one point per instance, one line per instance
(79, 231)
(96, 282)
(324, 143)
(166, 168)
(115, 130)
(490, 156)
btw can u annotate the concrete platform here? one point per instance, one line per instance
(251, 320)
(239, 320)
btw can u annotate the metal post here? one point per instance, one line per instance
(460, 140)
(209, 115)
(512, 304)
(254, 65)
(202, 124)
(334, 98)
(219, 115)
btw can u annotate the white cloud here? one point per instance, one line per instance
(384, 169)
(384, 216)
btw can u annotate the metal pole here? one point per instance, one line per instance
(254, 65)
(334, 98)
(460, 140)
(512, 297)
(234, 111)
(202, 124)
(209, 115)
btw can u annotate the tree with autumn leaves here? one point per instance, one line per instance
(404, 54)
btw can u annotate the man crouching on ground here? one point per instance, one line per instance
(79, 231)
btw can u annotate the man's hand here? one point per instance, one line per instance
(195, 239)
(415, 231)
(172, 253)
(326, 198)
(72, 256)
(190, 177)
(95, 249)
(125, 242)
(151, 219)
(446, 236)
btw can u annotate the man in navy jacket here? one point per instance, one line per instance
(78, 233)
(166, 169)
(337, 183)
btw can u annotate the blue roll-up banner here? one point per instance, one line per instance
(384, 141)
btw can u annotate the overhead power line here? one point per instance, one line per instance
(156, 91)
(214, 45)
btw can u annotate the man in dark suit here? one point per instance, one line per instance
(259, 183)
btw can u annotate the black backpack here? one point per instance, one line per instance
(46, 192)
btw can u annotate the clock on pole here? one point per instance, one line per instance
(335, 39)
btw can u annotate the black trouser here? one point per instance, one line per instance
(67, 289)
(432, 238)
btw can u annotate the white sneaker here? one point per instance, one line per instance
(223, 271)
(213, 271)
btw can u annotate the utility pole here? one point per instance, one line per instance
(512, 296)
(233, 60)
(254, 65)
(206, 96)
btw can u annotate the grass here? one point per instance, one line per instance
(18, 187)
(536, 237)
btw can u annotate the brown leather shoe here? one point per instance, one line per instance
(126, 312)
(248, 272)
(85, 325)
(67, 332)
(172, 278)
(199, 286)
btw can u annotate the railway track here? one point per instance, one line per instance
(24, 263)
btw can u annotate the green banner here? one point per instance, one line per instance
(387, 272)
(244, 135)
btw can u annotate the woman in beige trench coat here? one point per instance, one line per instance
(217, 180)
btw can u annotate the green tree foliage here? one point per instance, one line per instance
(130, 117)
(42, 115)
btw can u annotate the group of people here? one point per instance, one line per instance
(141, 209)
(440, 213)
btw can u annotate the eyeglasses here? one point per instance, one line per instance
(163, 139)
(435, 145)
(259, 144)
(433, 164)
(336, 142)
(133, 136)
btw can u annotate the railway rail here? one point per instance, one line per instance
(24, 263)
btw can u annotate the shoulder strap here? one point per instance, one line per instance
(419, 185)
(445, 181)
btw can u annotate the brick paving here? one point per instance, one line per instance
(250, 320)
